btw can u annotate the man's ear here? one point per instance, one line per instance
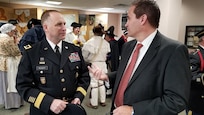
(44, 27)
(143, 19)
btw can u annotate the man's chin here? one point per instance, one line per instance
(62, 38)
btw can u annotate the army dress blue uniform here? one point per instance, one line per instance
(42, 77)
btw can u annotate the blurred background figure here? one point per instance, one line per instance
(112, 57)
(95, 51)
(17, 35)
(75, 36)
(33, 22)
(34, 34)
(9, 59)
(196, 102)
(121, 41)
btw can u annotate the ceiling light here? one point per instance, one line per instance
(106, 8)
(53, 2)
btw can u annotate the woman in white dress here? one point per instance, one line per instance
(9, 58)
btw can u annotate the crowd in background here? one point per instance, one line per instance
(102, 49)
(13, 44)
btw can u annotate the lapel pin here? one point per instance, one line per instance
(45, 48)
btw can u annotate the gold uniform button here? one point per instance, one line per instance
(61, 70)
(64, 89)
(41, 72)
(62, 80)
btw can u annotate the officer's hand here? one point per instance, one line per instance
(76, 101)
(97, 73)
(58, 106)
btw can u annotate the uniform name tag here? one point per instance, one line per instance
(41, 68)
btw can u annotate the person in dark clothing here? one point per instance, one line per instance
(113, 56)
(196, 102)
(32, 36)
(32, 22)
(121, 41)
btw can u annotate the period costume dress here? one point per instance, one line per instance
(9, 58)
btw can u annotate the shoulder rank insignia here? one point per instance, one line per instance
(27, 46)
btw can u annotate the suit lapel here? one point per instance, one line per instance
(151, 52)
(123, 63)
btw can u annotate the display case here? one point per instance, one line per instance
(190, 39)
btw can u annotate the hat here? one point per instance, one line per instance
(7, 28)
(2, 23)
(200, 34)
(33, 21)
(110, 31)
(73, 109)
(74, 25)
(12, 21)
(101, 26)
(98, 30)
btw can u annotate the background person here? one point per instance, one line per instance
(112, 57)
(33, 22)
(95, 51)
(75, 36)
(17, 35)
(52, 73)
(9, 59)
(34, 34)
(158, 83)
(197, 84)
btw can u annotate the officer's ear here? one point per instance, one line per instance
(45, 27)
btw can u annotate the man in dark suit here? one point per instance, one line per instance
(160, 81)
(197, 84)
(50, 78)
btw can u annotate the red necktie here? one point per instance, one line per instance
(126, 77)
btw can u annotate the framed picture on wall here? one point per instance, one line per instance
(190, 39)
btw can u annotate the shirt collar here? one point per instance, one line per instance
(53, 45)
(146, 42)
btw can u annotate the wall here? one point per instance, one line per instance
(192, 14)
(177, 14)
(115, 20)
(170, 17)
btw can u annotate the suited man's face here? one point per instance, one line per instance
(134, 25)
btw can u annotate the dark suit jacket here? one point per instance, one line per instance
(161, 83)
(41, 78)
